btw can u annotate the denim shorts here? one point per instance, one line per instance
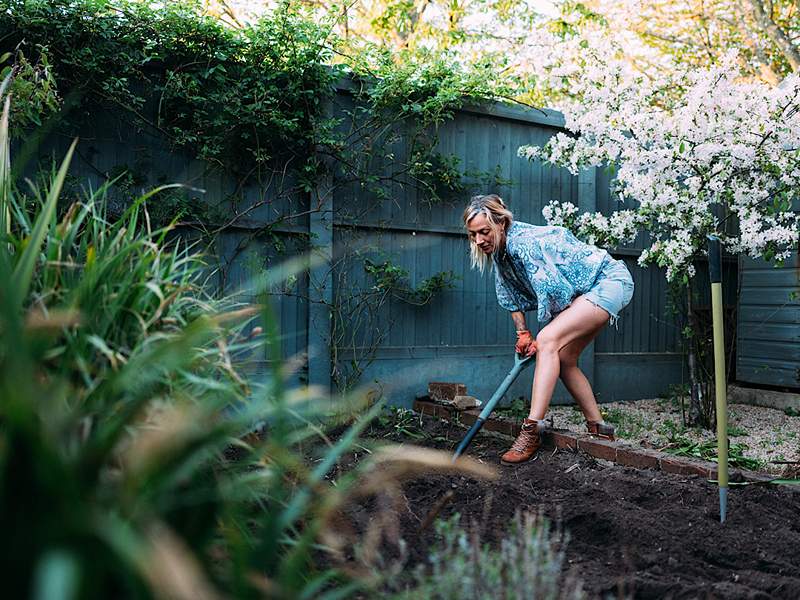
(612, 290)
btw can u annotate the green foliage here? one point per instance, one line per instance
(121, 469)
(682, 446)
(33, 88)
(735, 431)
(791, 412)
(233, 97)
(518, 409)
(628, 425)
(241, 99)
(118, 283)
(393, 279)
(441, 177)
(528, 564)
(424, 84)
(402, 422)
(575, 16)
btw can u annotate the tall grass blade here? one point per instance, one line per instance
(5, 168)
(23, 272)
(303, 495)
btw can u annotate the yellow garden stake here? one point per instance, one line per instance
(715, 272)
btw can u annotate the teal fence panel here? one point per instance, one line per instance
(768, 330)
(355, 333)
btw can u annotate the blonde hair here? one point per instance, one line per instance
(499, 217)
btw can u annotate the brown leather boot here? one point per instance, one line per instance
(526, 444)
(600, 429)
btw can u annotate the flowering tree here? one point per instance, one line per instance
(727, 149)
(722, 158)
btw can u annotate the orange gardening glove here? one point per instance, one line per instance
(526, 345)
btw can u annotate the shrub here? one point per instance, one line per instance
(528, 564)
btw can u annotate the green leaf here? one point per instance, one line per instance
(23, 272)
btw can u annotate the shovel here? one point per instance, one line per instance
(520, 362)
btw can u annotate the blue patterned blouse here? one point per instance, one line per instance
(543, 268)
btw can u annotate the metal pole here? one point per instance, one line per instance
(715, 272)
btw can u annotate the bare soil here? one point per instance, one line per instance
(633, 533)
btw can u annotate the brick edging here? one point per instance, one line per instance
(618, 452)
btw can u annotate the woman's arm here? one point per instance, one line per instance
(519, 320)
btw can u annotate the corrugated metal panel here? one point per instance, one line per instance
(768, 334)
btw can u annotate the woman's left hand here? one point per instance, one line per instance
(526, 345)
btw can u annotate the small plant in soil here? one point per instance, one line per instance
(628, 425)
(735, 431)
(401, 422)
(791, 412)
(683, 446)
(517, 410)
(528, 564)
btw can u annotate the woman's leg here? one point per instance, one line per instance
(573, 378)
(582, 319)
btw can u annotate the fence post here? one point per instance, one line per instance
(587, 202)
(320, 281)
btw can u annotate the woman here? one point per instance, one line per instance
(576, 288)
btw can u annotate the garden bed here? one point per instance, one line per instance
(636, 533)
(760, 438)
(767, 439)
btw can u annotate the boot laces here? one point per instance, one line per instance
(524, 439)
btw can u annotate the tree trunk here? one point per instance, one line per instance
(696, 400)
(779, 37)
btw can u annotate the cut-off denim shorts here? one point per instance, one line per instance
(612, 290)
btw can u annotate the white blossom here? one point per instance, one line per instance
(727, 151)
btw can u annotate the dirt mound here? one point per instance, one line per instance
(641, 534)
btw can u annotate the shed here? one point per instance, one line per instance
(768, 330)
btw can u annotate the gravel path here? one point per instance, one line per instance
(766, 434)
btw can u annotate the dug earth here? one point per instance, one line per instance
(632, 533)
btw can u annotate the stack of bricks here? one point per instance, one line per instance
(454, 395)
(440, 391)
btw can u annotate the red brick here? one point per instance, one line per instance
(432, 409)
(444, 391)
(704, 468)
(468, 417)
(501, 426)
(684, 466)
(562, 439)
(598, 448)
(638, 458)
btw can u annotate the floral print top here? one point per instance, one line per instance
(543, 268)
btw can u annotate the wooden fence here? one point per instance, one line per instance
(461, 334)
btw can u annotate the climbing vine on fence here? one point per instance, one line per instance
(255, 104)
(234, 98)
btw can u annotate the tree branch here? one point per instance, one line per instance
(776, 34)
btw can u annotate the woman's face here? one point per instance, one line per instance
(483, 233)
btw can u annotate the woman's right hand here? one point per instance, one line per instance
(526, 345)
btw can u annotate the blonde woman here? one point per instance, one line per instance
(574, 287)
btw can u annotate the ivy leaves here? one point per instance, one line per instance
(236, 98)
